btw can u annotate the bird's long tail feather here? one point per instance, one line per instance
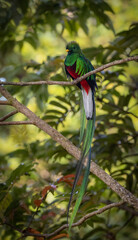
(83, 123)
(87, 137)
(81, 192)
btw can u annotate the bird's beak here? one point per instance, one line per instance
(67, 50)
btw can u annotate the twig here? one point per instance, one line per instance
(83, 219)
(128, 209)
(16, 123)
(32, 217)
(116, 62)
(125, 195)
(8, 115)
(12, 226)
(123, 207)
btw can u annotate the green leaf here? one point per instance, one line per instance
(55, 103)
(22, 169)
(4, 204)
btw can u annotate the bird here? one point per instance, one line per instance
(76, 65)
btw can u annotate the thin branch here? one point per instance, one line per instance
(99, 211)
(125, 195)
(116, 62)
(128, 209)
(12, 226)
(123, 207)
(8, 115)
(16, 123)
(32, 217)
(83, 219)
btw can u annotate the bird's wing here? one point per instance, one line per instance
(83, 66)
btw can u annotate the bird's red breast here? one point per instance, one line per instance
(72, 71)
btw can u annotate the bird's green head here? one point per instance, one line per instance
(73, 47)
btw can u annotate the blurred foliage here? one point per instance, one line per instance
(36, 173)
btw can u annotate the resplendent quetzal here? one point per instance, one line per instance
(76, 65)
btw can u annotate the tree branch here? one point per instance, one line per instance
(123, 207)
(83, 219)
(116, 62)
(125, 195)
(11, 226)
(8, 115)
(16, 123)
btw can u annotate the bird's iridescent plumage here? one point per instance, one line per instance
(76, 65)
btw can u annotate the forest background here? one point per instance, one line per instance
(36, 172)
